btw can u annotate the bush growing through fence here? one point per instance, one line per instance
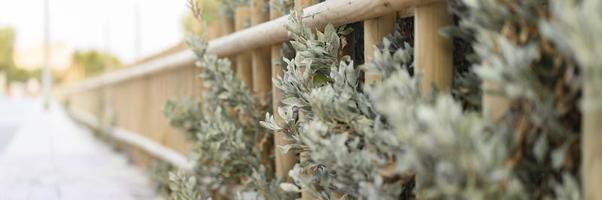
(389, 141)
(226, 134)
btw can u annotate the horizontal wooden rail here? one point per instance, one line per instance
(152, 148)
(337, 12)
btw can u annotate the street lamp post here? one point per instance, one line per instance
(137, 31)
(46, 76)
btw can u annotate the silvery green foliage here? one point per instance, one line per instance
(394, 55)
(316, 54)
(575, 28)
(284, 6)
(454, 154)
(229, 6)
(467, 89)
(185, 114)
(331, 121)
(541, 85)
(183, 187)
(217, 137)
(371, 145)
(223, 88)
(458, 154)
(320, 96)
(354, 150)
(226, 129)
(159, 174)
(267, 188)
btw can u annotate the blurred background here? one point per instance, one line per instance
(86, 37)
(46, 44)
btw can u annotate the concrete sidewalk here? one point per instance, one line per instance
(50, 157)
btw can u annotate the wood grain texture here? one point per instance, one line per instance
(284, 162)
(374, 32)
(214, 30)
(495, 105)
(262, 79)
(262, 83)
(303, 157)
(244, 61)
(592, 141)
(302, 4)
(227, 25)
(227, 28)
(433, 52)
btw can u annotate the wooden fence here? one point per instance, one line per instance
(136, 95)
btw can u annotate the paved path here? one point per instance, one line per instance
(46, 156)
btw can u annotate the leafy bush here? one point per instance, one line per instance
(390, 141)
(227, 137)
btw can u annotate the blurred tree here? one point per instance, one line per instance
(7, 62)
(211, 11)
(93, 62)
(7, 42)
(87, 63)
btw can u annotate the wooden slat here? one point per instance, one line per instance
(262, 76)
(495, 105)
(227, 26)
(300, 5)
(434, 62)
(214, 30)
(262, 81)
(592, 140)
(284, 162)
(244, 69)
(374, 32)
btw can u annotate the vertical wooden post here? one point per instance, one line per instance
(262, 75)
(243, 61)
(299, 5)
(213, 30)
(158, 96)
(433, 51)
(592, 139)
(284, 162)
(227, 27)
(107, 112)
(374, 32)
(226, 24)
(495, 104)
(144, 113)
(262, 83)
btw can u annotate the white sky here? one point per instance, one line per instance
(87, 24)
